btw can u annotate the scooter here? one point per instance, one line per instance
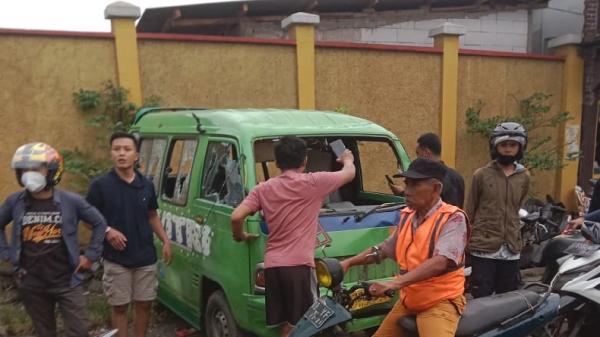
(578, 283)
(544, 242)
(329, 314)
(512, 314)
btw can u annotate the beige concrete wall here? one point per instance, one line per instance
(38, 76)
(500, 83)
(219, 75)
(398, 90)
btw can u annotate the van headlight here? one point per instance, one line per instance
(259, 278)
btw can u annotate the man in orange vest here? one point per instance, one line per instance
(429, 246)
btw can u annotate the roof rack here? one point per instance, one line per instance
(144, 111)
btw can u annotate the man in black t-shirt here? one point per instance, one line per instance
(128, 202)
(453, 191)
(44, 249)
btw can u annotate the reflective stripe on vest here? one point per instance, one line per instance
(412, 249)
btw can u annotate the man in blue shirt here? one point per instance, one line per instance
(44, 249)
(128, 202)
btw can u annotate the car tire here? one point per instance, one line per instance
(218, 319)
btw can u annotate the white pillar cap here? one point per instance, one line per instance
(564, 40)
(448, 29)
(300, 18)
(122, 10)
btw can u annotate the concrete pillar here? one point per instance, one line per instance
(571, 101)
(446, 37)
(302, 28)
(123, 16)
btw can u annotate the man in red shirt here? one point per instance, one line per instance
(290, 203)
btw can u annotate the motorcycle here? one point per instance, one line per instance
(512, 314)
(330, 314)
(578, 283)
(544, 240)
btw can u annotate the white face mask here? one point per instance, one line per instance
(33, 181)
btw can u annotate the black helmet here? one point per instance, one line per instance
(508, 131)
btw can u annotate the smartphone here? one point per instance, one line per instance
(338, 147)
(390, 181)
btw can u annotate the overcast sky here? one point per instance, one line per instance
(72, 15)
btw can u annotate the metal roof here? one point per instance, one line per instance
(156, 19)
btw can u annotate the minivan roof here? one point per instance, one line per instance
(254, 123)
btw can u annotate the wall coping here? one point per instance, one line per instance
(122, 10)
(279, 42)
(300, 18)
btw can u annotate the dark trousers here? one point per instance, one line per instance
(490, 276)
(41, 306)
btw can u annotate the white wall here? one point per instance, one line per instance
(504, 31)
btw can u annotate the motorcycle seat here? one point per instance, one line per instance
(481, 314)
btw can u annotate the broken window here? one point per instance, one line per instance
(377, 158)
(177, 174)
(221, 180)
(152, 152)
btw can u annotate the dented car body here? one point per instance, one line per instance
(204, 162)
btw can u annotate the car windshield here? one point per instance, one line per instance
(375, 157)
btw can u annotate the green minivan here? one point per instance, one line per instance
(203, 163)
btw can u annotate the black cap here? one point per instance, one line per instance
(422, 168)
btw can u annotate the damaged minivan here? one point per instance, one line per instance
(204, 162)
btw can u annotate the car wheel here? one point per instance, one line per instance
(218, 319)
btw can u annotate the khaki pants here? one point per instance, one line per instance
(438, 321)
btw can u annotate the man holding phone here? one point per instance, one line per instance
(291, 203)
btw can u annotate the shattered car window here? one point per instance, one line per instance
(221, 180)
(152, 152)
(177, 173)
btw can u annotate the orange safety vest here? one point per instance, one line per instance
(412, 251)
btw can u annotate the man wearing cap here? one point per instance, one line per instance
(428, 246)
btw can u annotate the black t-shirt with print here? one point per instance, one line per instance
(44, 255)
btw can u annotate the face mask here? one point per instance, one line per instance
(33, 181)
(506, 160)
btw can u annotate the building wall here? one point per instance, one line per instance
(380, 86)
(397, 87)
(219, 75)
(502, 31)
(560, 18)
(39, 76)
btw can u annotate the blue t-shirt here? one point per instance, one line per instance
(125, 207)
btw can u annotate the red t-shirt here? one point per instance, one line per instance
(291, 203)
